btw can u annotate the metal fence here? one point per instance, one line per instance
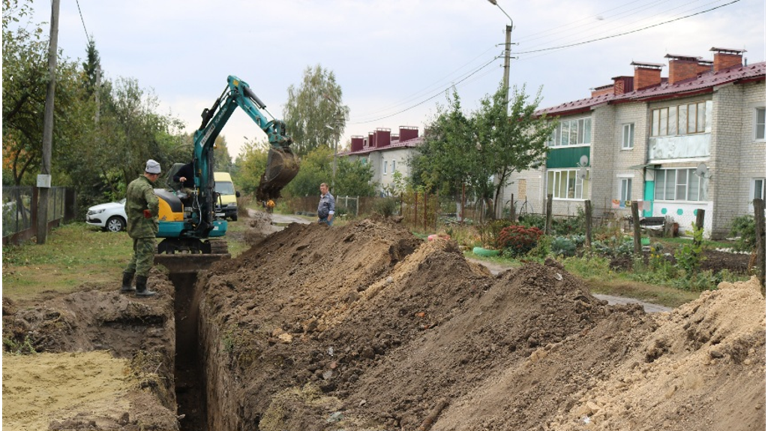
(20, 210)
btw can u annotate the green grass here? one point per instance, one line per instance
(77, 254)
(73, 254)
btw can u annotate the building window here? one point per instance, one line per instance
(758, 189)
(625, 189)
(384, 163)
(566, 184)
(628, 136)
(394, 166)
(760, 124)
(679, 120)
(679, 185)
(572, 132)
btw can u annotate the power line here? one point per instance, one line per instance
(88, 38)
(431, 97)
(628, 32)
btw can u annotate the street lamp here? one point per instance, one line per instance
(507, 49)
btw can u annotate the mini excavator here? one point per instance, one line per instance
(189, 223)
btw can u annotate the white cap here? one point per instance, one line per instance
(152, 167)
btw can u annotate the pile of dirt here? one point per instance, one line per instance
(104, 360)
(357, 328)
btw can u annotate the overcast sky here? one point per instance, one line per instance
(393, 59)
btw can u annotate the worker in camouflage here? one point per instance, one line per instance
(141, 208)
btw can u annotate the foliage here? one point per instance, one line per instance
(490, 231)
(353, 178)
(397, 186)
(510, 138)
(315, 168)
(570, 225)
(314, 114)
(589, 266)
(744, 228)
(689, 256)
(543, 248)
(562, 246)
(484, 149)
(386, 206)
(249, 165)
(518, 240)
(533, 220)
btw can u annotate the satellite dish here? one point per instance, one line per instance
(582, 173)
(701, 170)
(584, 160)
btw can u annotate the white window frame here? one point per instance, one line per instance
(572, 132)
(677, 120)
(628, 136)
(558, 181)
(394, 166)
(760, 123)
(384, 163)
(625, 189)
(687, 185)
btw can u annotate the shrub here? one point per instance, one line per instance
(533, 220)
(386, 206)
(689, 256)
(562, 246)
(543, 248)
(518, 240)
(744, 228)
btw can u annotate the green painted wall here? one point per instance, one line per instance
(559, 158)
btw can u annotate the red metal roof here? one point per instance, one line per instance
(702, 83)
(411, 143)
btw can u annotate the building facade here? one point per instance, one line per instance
(693, 140)
(387, 153)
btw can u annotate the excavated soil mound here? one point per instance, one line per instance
(104, 361)
(361, 327)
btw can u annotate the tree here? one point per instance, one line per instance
(91, 66)
(510, 142)
(353, 178)
(314, 114)
(221, 158)
(315, 169)
(249, 165)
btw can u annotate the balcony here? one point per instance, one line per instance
(661, 148)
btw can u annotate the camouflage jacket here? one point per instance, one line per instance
(139, 197)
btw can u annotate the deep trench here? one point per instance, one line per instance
(190, 371)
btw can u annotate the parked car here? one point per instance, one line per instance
(109, 217)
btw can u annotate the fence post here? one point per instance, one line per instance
(636, 225)
(699, 223)
(415, 208)
(401, 204)
(759, 206)
(588, 222)
(512, 207)
(463, 197)
(548, 225)
(426, 208)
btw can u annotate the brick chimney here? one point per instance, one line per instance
(682, 67)
(704, 66)
(371, 140)
(726, 58)
(602, 90)
(357, 143)
(408, 132)
(381, 136)
(623, 84)
(646, 75)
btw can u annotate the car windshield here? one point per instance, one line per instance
(121, 201)
(225, 188)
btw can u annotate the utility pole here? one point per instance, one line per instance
(507, 49)
(44, 179)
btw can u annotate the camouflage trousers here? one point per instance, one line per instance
(143, 256)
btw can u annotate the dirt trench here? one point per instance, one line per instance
(363, 327)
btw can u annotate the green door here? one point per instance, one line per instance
(648, 197)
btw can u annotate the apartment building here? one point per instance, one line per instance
(677, 144)
(387, 152)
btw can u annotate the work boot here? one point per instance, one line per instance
(127, 280)
(141, 287)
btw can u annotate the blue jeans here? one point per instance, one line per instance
(326, 221)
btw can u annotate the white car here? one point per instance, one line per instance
(110, 217)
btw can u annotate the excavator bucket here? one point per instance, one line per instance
(282, 167)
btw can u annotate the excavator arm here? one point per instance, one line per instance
(282, 163)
